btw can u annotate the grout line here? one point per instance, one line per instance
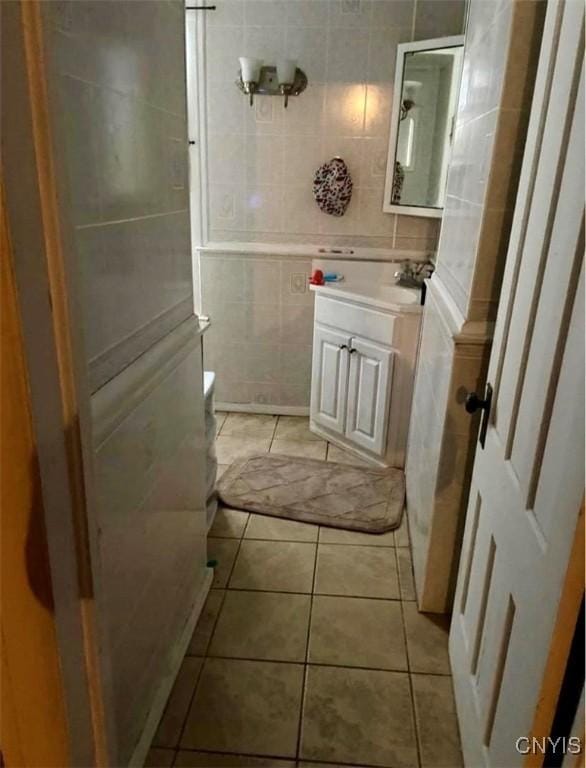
(215, 624)
(256, 755)
(413, 20)
(339, 763)
(306, 664)
(188, 708)
(351, 544)
(273, 592)
(431, 674)
(330, 665)
(299, 662)
(255, 660)
(399, 579)
(303, 541)
(279, 757)
(238, 548)
(411, 570)
(280, 540)
(319, 594)
(413, 713)
(246, 528)
(274, 433)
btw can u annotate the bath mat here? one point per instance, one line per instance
(314, 491)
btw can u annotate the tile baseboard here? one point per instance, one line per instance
(273, 410)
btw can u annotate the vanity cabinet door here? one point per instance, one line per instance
(368, 395)
(329, 378)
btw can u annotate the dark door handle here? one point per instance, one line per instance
(352, 351)
(343, 346)
(474, 403)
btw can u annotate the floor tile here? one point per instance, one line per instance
(357, 632)
(402, 532)
(278, 566)
(206, 622)
(229, 523)
(230, 448)
(437, 724)
(294, 428)
(159, 758)
(427, 640)
(224, 551)
(304, 764)
(358, 716)
(169, 729)
(262, 625)
(341, 456)
(188, 759)
(247, 425)
(307, 450)
(339, 536)
(405, 568)
(249, 707)
(356, 571)
(275, 528)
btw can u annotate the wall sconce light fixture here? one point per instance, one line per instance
(286, 79)
(250, 75)
(286, 69)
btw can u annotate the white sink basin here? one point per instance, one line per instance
(382, 295)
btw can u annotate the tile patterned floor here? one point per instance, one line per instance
(310, 650)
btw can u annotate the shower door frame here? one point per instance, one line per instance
(195, 73)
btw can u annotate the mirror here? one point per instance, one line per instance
(422, 123)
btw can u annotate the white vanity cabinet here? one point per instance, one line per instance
(350, 387)
(371, 369)
(364, 351)
(329, 378)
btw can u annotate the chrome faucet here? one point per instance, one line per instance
(413, 273)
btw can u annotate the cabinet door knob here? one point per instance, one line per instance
(352, 351)
(343, 346)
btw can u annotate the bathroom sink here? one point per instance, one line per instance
(365, 339)
(384, 295)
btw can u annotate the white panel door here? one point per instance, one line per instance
(528, 480)
(368, 395)
(329, 378)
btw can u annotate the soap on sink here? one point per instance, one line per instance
(333, 277)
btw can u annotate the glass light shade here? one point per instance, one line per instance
(250, 69)
(286, 71)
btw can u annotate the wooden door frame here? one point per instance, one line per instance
(561, 642)
(57, 398)
(34, 727)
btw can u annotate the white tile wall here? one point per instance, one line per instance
(261, 166)
(262, 160)
(260, 340)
